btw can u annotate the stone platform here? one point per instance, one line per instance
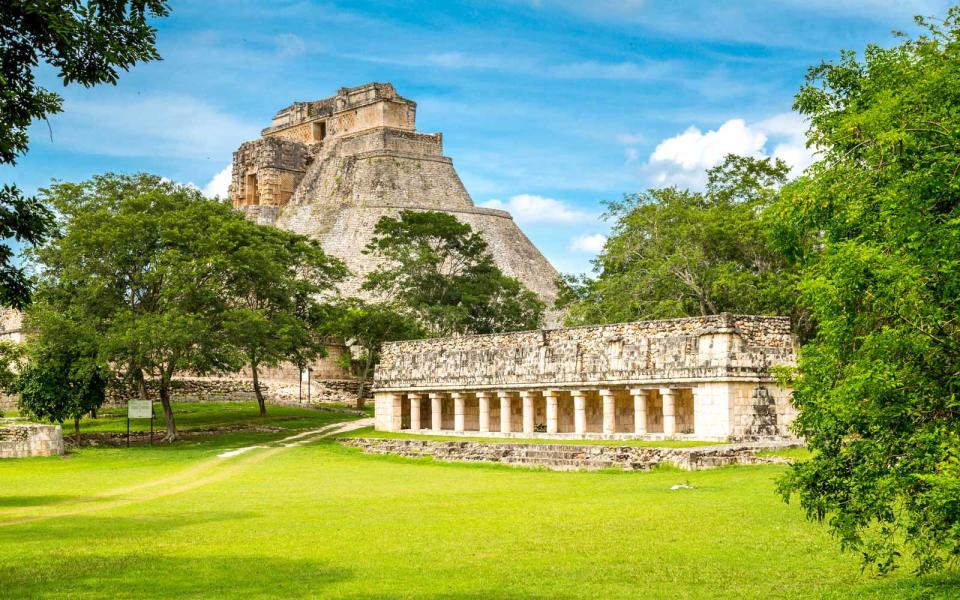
(575, 457)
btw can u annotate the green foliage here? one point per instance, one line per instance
(59, 382)
(87, 43)
(275, 283)
(875, 227)
(440, 271)
(369, 325)
(676, 253)
(142, 263)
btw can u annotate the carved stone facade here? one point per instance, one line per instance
(700, 378)
(332, 168)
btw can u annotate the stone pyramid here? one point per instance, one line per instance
(332, 168)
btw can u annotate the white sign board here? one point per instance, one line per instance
(139, 409)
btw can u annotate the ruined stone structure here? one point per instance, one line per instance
(574, 457)
(22, 440)
(707, 378)
(332, 168)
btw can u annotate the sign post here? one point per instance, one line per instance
(139, 409)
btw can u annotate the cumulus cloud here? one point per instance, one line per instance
(219, 185)
(684, 158)
(530, 208)
(588, 244)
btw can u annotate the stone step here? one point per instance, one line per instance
(563, 463)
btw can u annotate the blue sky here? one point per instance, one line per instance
(547, 107)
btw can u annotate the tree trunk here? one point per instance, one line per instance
(141, 384)
(361, 402)
(167, 408)
(76, 429)
(257, 390)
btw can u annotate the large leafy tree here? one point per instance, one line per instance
(439, 271)
(88, 43)
(143, 262)
(277, 282)
(677, 253)
(875, 227)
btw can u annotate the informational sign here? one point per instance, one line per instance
(139, 409)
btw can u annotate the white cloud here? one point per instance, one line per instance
(158, 126)
(289, 45)
(529, 208)
(630, 138)
(684, 158)
(622, 71)
(219, 186)
(589, 244)
(694, 149)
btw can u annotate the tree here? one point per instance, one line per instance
(58, 374)
(143, 263)
(875, 229)
(87, 43)
(369, 326)
(439, 271)
(677, 253)
(276, 281)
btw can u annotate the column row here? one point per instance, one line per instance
(641, 397)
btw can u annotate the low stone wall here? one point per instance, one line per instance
(232, 389)
(563, 457)
(28, 439)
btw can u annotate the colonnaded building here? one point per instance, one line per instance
(704, 378)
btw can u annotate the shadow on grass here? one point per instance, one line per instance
(18, 501)
(97, 529)
(148, 574)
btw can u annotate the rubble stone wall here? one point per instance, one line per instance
(29, 439)
(239, 389)
(570, 457)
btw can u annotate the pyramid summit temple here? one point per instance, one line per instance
(331, 168)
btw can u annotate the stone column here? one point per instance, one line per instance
(609, 415)
(579, 411)
(527, 397)
(669, 411)
(436, 418)
(415, 411)
(506, 405)
(483, 399)
(459, 411)
(552, 412)
(640, 396)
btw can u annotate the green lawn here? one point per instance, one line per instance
(322, 520)
(369, 432)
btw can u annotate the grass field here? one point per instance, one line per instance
(321, 520)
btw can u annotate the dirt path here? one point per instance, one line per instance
(219, 468)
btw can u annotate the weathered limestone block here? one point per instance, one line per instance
(28, 439)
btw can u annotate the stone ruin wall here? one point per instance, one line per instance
(721, 346)
(266, 172)
(25, 440)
